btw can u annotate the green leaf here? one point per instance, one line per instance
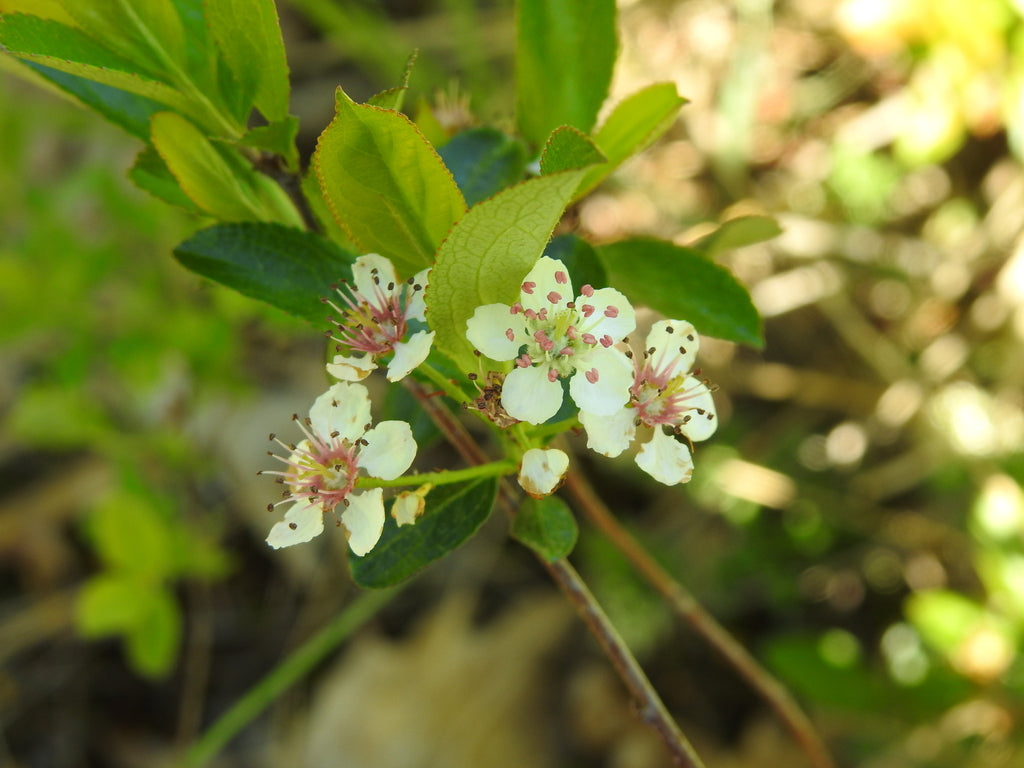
(546, 526)
(736, 233)
(568, 148)
(565, 51)
(68, 50)
(149, 34)
(127, 110)
(684, 285)
(131, 536)
(152, 644)
(277, 138)
(151, 173)
(483, 162)
(944, 618)
(488, 253)
(580, 260)
(249, 38)
(386, 185)
(453, 513)
(393, 98)
(111, 604)
(216, 177)
(633, 125)
(287, 268)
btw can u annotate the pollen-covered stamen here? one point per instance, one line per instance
(372, 324)
(662, 398)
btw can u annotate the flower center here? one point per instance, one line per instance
(322, 470)
(660, 399)
(372, 324)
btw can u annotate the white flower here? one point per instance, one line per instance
(664, 395)
(409, 505)
(561, 337)
(373, 321)
(322, 469)
(541, 471)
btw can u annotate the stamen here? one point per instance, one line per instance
(528, 287)
(561, 277)
(611, 311)
(592, 375)
(587, 290)
(554, 297)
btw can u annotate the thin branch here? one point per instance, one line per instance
(651, 709)
(686, 605)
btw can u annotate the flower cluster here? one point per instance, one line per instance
(322, 470)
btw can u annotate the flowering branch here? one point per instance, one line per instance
(490, 469)
(686, 605)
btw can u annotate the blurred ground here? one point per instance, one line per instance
(857, 521)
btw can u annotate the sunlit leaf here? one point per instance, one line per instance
(277, 138)
(546, 526)
(488, 253)
(385, 184)
(153, 643)
(151, 173)
(736, 233)
(565, 51)
(131, 536)
(287, 268)
(684, 285)
(568, 148)
(453, 514)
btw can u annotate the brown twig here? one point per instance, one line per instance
(649, 704)
(686, 605)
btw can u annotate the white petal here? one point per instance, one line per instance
(408, 506)
(363, 275)
(613, 314)
(301, 523)
(545, 278)
(416, 307)
(609, 435)
(353, 368)
(488, 330)
(528, 395)
(542, 471)
(344, 408)
(389, 451)
(610, 391)
(409, 354)
(667, 346)
(703, 417)
(364, 519)
(665, 459)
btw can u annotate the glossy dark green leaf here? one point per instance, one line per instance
(287, 268)
(565, 52)
(684, 285)
(569, 148)
(580, 259)
(546, 526)
(483, 162)
(736, 233)
(453, 513)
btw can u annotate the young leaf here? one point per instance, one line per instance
(488, 253)
(453, 513)
(152, 644)
(569, 148)
(385, 184)
(683, 284)
(249, 39)
(546, 526)
(483, 162)
(633, 125)
(109, 604)
(151, 173)
(565, 51)
(277, 138)
(736, 233)
(287, 268)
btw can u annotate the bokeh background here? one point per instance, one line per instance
(857, 521)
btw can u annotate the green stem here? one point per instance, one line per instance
(286, 674)
(440, 380)
(491, 469)
(547, 430)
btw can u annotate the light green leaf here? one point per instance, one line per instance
(285, 267)
(633, 125)
(393, 98)
(736, 233)
(565, 51)
(453, 513)
(69, 50)
(944, 618)
(153, 643)
(151, 173)
(249, 38)
(385, 184)
(277, 138)
(131, 536)
(111, 604)
(684, 285)
(568, 148)
(546, 526)
(488, 253)
(216, 179)
(483, 162)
